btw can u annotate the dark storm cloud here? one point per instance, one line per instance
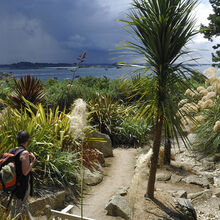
(58, 30)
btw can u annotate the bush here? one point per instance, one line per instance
(50, 140)
(131, 132)
(207, 136)
(63, 93)
(118, 121)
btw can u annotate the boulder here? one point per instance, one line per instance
(208, 165)
(56, 200)
(163, 176)
(194, 179)
(186, 209)
(180, 194)
(217, 181)
(102, 142)
(92, 178)
(203, 195)
(118, 206)
(175, 178)
(122, 191)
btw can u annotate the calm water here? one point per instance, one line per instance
(47, 73)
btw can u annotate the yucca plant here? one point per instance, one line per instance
(162, 29)
(29, 88)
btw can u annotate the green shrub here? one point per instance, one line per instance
(118, 121)
(50, 140)
(207, 140)
(28, 87)
(63, 93)
(131, 132)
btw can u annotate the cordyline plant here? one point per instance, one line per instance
(29, 88)
(162, 29)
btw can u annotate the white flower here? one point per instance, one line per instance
(216, 126)
(200, 88)
(203, 91)
(78, 119)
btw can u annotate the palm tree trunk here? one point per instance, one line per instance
(154, 158)
(167, 151)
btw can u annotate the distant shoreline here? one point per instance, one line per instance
(30, 65)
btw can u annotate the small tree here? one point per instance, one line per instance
(162, 29)
(213, 30)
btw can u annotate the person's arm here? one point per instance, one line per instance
(25, 161)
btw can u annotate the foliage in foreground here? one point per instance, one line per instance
(50, 138)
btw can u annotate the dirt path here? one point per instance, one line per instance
(119, 171)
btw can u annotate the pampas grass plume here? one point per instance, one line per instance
(78, 119)
(216, 126)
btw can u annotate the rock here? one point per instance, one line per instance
(93, 178)
(186, 208)
(217, 157)
(101, 157)
(175, 178)
(56, 200)
(193, 179)
(207, 165)
(180, 194)
(204, 195)
(217, 192)
(122, 191)
(163, 176)
(102, 143)
(217, 181)
(118, 206)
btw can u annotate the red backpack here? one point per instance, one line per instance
(8, 177)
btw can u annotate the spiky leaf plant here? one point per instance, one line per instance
(162, 29)
(27, 87)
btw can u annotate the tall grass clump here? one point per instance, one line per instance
(204, 104)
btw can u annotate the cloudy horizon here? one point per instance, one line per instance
(58, 31)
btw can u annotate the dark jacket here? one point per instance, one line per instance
(22, 181)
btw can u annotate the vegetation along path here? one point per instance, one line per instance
(119, 171)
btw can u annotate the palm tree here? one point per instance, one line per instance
(162, 29)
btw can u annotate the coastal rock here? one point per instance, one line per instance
(93, 178)
(200, 181)
(103, 143)
(163, 176)
(118, 206)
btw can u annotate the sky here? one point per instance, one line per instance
(60, 30)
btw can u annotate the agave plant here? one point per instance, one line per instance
(162, 29)
(29, 88)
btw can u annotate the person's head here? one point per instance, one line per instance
(23, 138)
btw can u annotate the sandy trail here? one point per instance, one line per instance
(119, 171)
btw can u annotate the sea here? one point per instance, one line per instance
(65, 73)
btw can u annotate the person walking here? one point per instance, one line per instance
(24, 162)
